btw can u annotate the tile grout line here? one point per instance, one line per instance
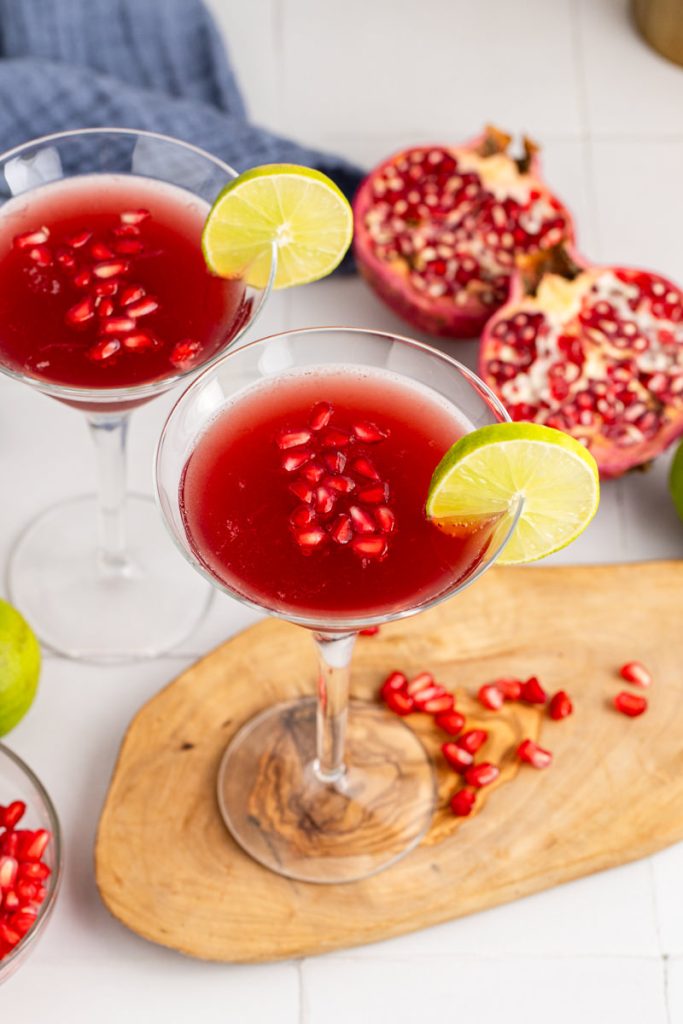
(303, 1007)
(664, 956)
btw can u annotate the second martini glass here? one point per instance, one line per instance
(293, 474)
(106, 302)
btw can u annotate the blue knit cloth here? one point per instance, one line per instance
(153, 64)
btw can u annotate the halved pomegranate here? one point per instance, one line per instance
(596, 351)
(437, 229)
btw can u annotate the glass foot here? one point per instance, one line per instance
(286, 818)
(79, 609)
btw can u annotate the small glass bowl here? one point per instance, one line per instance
(17, 782)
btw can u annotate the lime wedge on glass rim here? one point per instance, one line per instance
(543, 474)
(298, 208)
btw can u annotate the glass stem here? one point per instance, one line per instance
(334, 674)
(109, 432)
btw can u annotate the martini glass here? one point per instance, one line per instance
(105, 302)
(317, 789)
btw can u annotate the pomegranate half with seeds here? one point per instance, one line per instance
(438, 228)
(596, 351)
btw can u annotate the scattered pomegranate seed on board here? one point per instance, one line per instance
(451, 722)
(369, 630)
(482, 774)
(457, 757)
(394, 682)
(631, 704)
(491, 697)
(421, 681)
(462, 802)
(474, 739)
(560, 705)
(509, 686)
(532, 754)
(400, 702)
(533, 692)
(635, 672)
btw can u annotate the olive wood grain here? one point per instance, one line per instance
(167, 868)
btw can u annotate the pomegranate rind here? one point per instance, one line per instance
(439, 316)
(283, 223)
(528, 396)
(535, 478)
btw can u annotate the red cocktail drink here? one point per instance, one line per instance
(104, 284)
(306, 496)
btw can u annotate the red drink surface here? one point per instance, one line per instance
(237, 503)
(132, 304)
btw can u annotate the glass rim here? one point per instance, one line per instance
(105, 396)
(54, 880)
(339, 624)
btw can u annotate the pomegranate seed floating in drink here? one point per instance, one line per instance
(594, 351)
(104, 292)
(437, 229)
(306, 504)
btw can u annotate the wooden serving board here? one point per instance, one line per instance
(168, 869)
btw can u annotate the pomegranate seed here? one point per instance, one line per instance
(369, 433)
(128, 246)
(335, 461)
(82, 279)
(342, 530)
(341, 484)
(292, 438)
(139, 341)
(457, 757)
(399, 702)
(184, 353)
(302, 491)
(65, 258)
(117, 324)
(374, 495)
(34, 845)
(8, 872)
(422, 681)
(474, 739)
(81, 312)
(28, 239)
(482, 774)
(41, 255)
(142, 307)
(8, 936)
(134, 216)
(333, 438)
(386, 520)
(110, 268)
(439, 705)
(369, 631)
(11, 900)
(106, 308)
(428, 694)
(295, 460)
(462, 802)
(313, 472)
(302, 515)
(106, 288)
(362, 520)
(510, 687)
(364, 467)
(631, 704)
(131, 293)
(324, 501)
(450, 721)
(635, 672)
(26, 891)
(79, 239)
(534, 755)
(395, 681)
(104, 349)
(100, 251)
(320, 416)
(13, 814)
(491, 697)
(560, 705)
(533, 692)
(21, 922)
(369, 547)
(310, 539)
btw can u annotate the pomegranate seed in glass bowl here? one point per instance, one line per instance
(30, 860)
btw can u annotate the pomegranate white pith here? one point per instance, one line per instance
(438, 228)
(594, 351)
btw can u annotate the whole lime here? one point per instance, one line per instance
(19, 667)
(676, 480)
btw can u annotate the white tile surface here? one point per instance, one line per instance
(629, 88)
(364, 79)
(563, 990)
